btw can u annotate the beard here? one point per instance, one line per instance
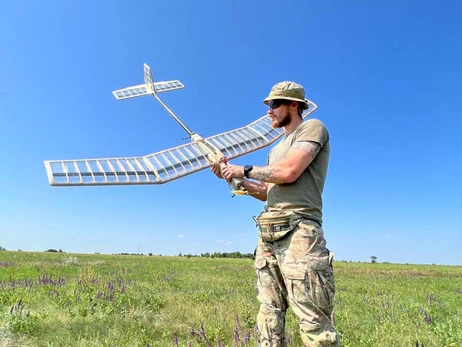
(285, 121)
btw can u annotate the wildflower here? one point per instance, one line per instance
(427, 318)
(236, 336)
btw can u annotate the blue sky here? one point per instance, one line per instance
(385, 76)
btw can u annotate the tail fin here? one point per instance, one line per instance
(148, 80)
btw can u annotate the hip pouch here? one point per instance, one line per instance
(275, 225)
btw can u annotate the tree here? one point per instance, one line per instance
(373, 259)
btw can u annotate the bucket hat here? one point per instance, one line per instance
(289, 91)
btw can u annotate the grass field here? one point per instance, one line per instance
(61, 299)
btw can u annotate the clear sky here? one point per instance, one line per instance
(386, 77)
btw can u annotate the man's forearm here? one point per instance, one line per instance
(271, 174)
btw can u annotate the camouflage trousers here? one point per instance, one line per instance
(296, 271)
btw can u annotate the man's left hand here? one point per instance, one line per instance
(232, 171)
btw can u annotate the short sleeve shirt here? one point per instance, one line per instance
(304, 196)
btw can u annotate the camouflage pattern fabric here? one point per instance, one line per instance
(296, 272)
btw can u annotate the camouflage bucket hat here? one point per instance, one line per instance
(289, 91)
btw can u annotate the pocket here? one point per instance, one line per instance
(310, 229)
(263, 274)
(319, 260)
(322, 288)
(260, 263)
(312, 283)
(298, 287)
(310, 237)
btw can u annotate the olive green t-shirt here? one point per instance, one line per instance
(304, 196)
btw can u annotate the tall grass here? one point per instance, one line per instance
(60, 299)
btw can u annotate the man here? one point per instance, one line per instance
(293, 264)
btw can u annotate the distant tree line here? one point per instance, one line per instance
(236, 254)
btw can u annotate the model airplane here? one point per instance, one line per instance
(170, 164)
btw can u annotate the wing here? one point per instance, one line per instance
(166, 165)
(156, 168)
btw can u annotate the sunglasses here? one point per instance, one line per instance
(274, 104)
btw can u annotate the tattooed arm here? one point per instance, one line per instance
(287, 170)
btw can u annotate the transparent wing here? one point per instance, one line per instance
(156, 168)
(166, 165)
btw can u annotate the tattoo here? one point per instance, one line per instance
(264, 174)
(275, 173)
(310, 147)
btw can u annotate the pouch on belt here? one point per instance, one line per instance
(274, 225)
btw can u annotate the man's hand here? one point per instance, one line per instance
(216, 170)
(228, 171)
(232, 171)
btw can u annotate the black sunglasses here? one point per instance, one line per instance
(274, 104)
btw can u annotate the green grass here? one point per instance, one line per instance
(61, 299)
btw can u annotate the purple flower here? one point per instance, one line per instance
(236, 337)
(427, 318)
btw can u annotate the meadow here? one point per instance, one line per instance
(61, 299)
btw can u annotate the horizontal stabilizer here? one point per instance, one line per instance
(142, 90)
